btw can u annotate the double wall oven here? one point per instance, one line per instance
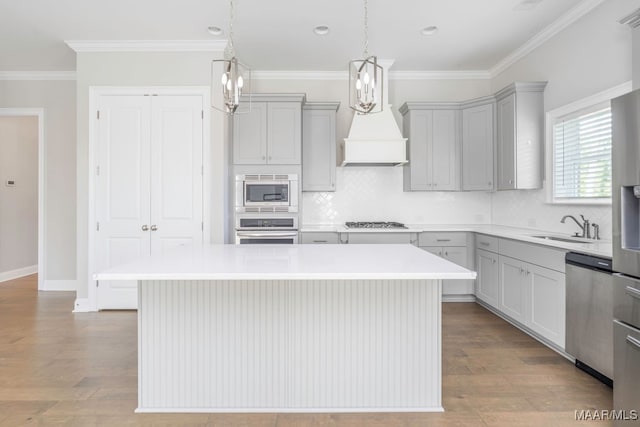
(266, 207)
(626, 253)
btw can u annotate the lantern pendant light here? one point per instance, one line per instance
(230, 78)
(365, 77)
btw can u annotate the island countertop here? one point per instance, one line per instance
(289, 262)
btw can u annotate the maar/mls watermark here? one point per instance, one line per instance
(606, 415)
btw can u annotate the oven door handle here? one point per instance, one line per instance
(265, 234)
(632, 292)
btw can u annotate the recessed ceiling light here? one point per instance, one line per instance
(321, 30)
(429, 31)
(216, 31)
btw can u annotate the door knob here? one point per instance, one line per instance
(154, 227)
(145, 227)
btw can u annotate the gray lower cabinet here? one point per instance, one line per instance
(271, 133)
(433, 133)
(478, 146)
(319, 237)
(524, 282)
(452, 246)
(520, 135)
(487, 277)
(319, 146)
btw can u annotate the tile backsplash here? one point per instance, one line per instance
(375, 194)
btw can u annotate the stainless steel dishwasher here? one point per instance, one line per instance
(589, 335)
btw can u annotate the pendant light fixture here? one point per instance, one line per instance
(365, 77)
(230, 78)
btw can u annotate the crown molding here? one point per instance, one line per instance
(632, 20)
(37, 75)
(546, 34)
(440, 75)
(147, 45)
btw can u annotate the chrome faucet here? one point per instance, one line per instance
(584, 227)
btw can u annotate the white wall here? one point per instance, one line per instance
(592, 55)
(18, 204)
(58, 99)
(636, 57)
(375, 193)
(142, 69)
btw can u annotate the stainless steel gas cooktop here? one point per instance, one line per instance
(374, 225)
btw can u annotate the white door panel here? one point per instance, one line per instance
(176, 171)
(122, 187)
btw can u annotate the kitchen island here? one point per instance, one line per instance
(289, 328)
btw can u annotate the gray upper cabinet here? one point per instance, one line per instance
(250, 136)
(433, 141)
(478, 122)
(271, 133)
(520, 135)
(319, 146)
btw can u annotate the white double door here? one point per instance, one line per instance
(149, 195)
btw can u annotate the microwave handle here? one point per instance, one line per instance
(265, 234)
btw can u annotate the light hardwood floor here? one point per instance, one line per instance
(60, 368)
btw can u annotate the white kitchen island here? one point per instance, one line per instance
(289, 328)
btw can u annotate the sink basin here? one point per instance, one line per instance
(563, 239)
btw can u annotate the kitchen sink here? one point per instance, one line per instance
(563, 239)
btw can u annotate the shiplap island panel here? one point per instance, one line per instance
(295, 328)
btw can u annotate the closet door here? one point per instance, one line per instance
(176, 171)
(122, 193)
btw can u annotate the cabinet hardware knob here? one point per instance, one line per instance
(264, 157)
(154, 227)
(528, 272)
(489, 182)
(145, 227)
(493, 261)
(269, 157)
(446, 254)
(510, 181)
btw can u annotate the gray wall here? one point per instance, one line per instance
(636, 58)
(58, 99)
(18, 204)
(142, 69)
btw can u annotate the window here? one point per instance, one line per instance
(582, 155)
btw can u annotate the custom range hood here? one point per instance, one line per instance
(375, 139)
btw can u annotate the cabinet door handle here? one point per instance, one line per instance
(154, 227)
(440, 253)
(510, 181)
(264, 157)
(319, 241)
(632, 292)
(493, 261)
(484, 243)
(633, 341)
(489, 183)
(443, 240)
(145, 227)
(527, 272)
(446, 253)
(521, 270)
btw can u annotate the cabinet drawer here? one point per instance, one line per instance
(318, 237)
(535, 254)
(383, 237)
(487, 243)
(429, 238)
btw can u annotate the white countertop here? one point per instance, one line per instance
(289, 262)
(594, 247)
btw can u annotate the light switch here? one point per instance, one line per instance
(10, 183)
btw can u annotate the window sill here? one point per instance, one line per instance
(583, 202)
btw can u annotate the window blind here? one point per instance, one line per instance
(582, 155)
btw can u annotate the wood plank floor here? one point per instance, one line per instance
(60, 368)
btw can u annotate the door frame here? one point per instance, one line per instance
(95, 92)
(39, 113)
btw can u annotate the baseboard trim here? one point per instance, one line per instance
(82, 305)
(18, 272)
(59, 285)
(458, 298)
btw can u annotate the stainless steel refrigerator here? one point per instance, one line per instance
(626, 256)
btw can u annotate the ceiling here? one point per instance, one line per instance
(278, 34)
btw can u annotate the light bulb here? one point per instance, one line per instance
(229, 85)
(366, 78)
(240, 82)
(224, 79)
(373, 83)
(358, 84)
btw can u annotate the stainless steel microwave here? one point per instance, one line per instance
(267, 193)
